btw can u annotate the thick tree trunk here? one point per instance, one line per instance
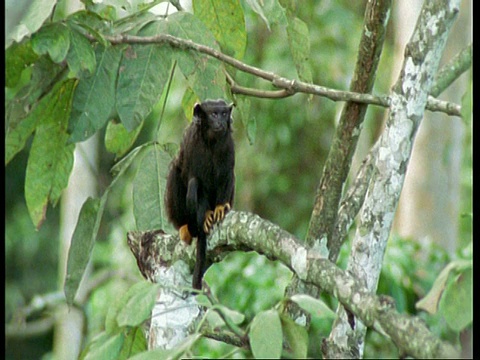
(429, 205)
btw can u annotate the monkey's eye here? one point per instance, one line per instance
(224, 114)
(214, 114)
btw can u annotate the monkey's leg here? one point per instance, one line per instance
(184, 234)
(175, 203)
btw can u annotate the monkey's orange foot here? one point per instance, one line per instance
(185, 234)
(221, 211)
(209, 221)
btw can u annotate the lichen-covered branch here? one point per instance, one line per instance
(247, 231)
(339, 159)
(451, 71)
(409, 98)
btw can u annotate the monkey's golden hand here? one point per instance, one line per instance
(220, 212)
(212, 217)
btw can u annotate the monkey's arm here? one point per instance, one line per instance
(224, 199)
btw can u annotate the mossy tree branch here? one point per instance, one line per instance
(155, 251)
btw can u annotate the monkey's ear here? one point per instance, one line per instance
(198, 113)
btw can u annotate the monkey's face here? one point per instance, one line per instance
(214, 117)
(218, 122)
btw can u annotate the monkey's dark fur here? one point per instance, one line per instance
(201, 181)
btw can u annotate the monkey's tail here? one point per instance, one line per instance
(201, 260)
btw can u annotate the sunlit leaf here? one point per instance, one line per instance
(456, 304)
(118, 140)
(296, 338)
(226, 21)
(266, 335)
(54, 40)
(316, 307)
(139, 301)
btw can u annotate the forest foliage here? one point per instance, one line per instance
(66, 80)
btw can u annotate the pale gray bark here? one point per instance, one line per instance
(408, 101)
(430, 201)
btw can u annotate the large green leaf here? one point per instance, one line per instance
(266, 335)
(139, 301)
(81, 246)
(17, 58)
(94, 100)
(204, 75)
(118, 140)
(18, 131)
(51, 159)
(456, 304)
(135, 343)
(296, 338)
(314, 306)
(54, 40)
(270, 11)
(226, 21)
(35, 14)
(299, 41)
(149, 189)
(105, 347)
(81, 56)
(144, 73)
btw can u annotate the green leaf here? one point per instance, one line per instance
(215, 320)
(204, 75)
(94, 24)
(155, 354)
(35, 14)
(51, 159)
(119, 168)
(299, 41)
(17, 58)
(296, 338)
(456, 304)
(135, 343)
(313, 306)
(118, 140)
(145, 70)
(139, 301)
(81, 246)
(270, 11)
(178, 352)
(430, 302)
(94, 100)
(226, 21)
(19, 130)
(81, 56)
(106, 347)
(242, 112)
(149, 189)
(266, 335)
(54, 40)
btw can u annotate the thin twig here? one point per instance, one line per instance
(291, 86)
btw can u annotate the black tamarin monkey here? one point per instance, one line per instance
(201, 181)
